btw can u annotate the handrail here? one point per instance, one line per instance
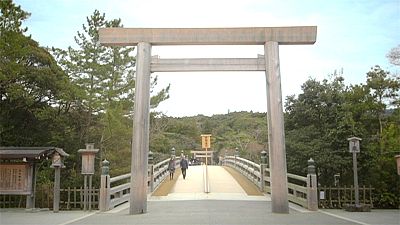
(297, 177)
(119, 194)
(120, 177)
(297, 191)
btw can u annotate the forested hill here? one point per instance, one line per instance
(246, 131)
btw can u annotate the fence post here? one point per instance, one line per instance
(312, 191)
(236, 155)
(104, 198)
(263, 165)
(151, 168)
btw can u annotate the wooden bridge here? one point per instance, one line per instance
(236, 178)
(237, 194)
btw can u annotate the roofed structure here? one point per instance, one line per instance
(29, 152)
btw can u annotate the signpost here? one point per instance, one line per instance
(88, 157)
(206, 144)
(18, 171)
(14, 179)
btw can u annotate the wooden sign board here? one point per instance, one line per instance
(354, 146)
(14, 179)
(88, 163)
(206, 141)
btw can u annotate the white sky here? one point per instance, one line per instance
(353, 35)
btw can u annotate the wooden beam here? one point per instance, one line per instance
(141, 124)
(297, 35)
(276, 131)
(207, 64)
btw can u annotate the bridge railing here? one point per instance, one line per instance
(249, 169)
(301, 190)
(116, 190)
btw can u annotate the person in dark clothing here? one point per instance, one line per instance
(171, 168)
(184, 166)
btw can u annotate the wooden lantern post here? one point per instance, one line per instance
(354, 147)
(57, 164)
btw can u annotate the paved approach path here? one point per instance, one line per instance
(212, 212)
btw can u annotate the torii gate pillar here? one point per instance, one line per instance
(270, 37)
(140, 144)
(276, 132)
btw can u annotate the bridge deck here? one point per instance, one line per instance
(225, 183)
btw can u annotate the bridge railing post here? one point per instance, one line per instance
(104, 199)
(151, 169)
(263, 165)
(312, 191)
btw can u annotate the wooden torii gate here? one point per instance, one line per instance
(270, 37)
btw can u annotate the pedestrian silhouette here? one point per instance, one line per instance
(184, 166)
(171, 168)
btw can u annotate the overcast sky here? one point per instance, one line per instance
(353, 35)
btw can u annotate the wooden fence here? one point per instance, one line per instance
(70, 198)
(337, 197)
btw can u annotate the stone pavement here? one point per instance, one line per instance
(202, 212)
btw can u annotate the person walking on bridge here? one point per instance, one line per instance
(184, 166)
(171, 168)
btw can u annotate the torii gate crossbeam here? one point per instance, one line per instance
(270, 37)
(206, 64)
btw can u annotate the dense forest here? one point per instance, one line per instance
(69, 97)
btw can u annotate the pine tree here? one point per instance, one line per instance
(105, 76)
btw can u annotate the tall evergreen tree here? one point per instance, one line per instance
(105, 76)
(34, 91)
